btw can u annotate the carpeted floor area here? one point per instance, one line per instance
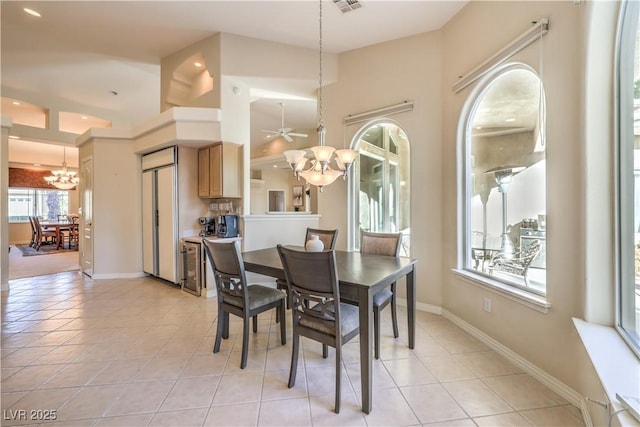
(28, 266)
(43, 250)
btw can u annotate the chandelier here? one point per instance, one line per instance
(62, 178)
(320, 173)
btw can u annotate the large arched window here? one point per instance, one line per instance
(628, 182)
(381, 188)
(503, 199)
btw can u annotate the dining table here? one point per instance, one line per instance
(59, 226)
(360, 276)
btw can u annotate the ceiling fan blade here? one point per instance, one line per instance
(269, 131)
(303, 135)
(287, 137)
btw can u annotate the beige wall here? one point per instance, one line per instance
(547, 340)
(417, 77)
(116, 207)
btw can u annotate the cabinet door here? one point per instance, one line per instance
(203, 172)
(215, 171)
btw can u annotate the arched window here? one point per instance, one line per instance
(380, 189)
(628, 182)
(502, 159)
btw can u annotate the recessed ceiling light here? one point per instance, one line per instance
(16, 103)
(197, 64)
(511, 119)
(275, 166)
(84, 117)
(32, 12)
(36, 164)
(14, 137)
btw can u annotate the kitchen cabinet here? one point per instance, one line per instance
(219, 171)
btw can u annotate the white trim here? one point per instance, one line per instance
(525, 298)
(535, 32)
(428, 308)
(118, 276)
(548, 380)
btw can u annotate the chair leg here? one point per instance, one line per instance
(294, 359)
(219, 331)
(338, 376)
(376, 332)
(283, 324)
(394, 312)
(245, 342)
(325, 351)
(255, 324)
(225, 323)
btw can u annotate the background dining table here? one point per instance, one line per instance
(360, 276)
(59, 227)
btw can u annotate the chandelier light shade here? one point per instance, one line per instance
(63, 178)
(320, 173)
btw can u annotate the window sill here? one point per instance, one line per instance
(618, 368)
(535, 302)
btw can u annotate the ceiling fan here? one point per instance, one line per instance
(285, 132)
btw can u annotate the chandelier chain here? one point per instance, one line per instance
(320, 74)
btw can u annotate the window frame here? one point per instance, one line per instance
(509, 288)
(624, 171)
(36, 194)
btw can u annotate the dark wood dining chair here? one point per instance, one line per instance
(235, 296)
(34, 233)
(317, 312)
(387, 244)
(43, 235)
(328, 238)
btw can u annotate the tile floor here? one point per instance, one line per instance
(138, 352)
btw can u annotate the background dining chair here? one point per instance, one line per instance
(382, 244)
(317, 311)
(42, 234)
(235, 296)
(74, 232)
(328, 238)
(34, 233)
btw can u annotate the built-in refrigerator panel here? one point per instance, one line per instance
(160, 215)
(166, 222)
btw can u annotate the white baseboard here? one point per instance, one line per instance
(428, 308)
(117, 276)
(548, 380)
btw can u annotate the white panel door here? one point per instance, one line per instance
(167, 224)
(148, 222)
(86, 217)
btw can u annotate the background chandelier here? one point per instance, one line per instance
(62, 178)
(320, 172)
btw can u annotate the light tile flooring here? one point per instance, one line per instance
(139, 352)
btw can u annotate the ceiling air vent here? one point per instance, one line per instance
(347, 5)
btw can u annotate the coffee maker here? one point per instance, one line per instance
(207, 226)
(227, 226)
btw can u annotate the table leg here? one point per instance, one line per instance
(411, 306)
(58, 240)
(365, 306)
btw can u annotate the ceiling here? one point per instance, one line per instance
(77, 52)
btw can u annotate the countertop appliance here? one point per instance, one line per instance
(227, 226)
(207, 226)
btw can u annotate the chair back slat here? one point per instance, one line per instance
(380, 243)
(328, 237)
(228, 271)
(313, 284)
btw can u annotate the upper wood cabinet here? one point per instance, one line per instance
(219, 171)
